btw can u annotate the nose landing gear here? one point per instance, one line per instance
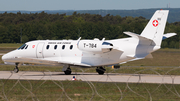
(16, 69)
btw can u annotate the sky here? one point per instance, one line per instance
(36, 5)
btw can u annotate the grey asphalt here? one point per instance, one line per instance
(110, 77)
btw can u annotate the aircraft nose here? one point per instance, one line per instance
(4, 57)
(8, 56)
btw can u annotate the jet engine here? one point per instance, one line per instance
(95, 46)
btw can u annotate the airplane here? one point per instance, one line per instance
(93, 53)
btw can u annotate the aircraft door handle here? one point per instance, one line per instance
(40, 52)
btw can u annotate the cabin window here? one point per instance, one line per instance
(47, 47)
(26, 47)
(55, 47)
(71, 47)
(63, 47)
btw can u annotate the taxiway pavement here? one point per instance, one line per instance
(107, 77)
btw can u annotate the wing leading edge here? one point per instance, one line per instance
(44, 61)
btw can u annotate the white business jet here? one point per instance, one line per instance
(93, 53)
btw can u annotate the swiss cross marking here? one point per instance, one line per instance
(155, 23)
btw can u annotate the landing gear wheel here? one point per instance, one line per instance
(16, 70)
(100, 70)
(68, 71)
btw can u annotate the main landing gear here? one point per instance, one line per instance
(66, 69)
(16, 69)
(100, 70)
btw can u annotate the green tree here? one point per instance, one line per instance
(39, 37)
(25, 39)
(164, 44)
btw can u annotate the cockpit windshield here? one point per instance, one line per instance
(22, 47)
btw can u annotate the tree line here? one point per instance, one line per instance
(42, 26)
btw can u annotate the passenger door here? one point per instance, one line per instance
(39, 51)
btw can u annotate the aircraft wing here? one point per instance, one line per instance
(44, 61)
(73, 63)
(168, 35)
(133, 58)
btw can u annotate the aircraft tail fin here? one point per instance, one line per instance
(154, 30)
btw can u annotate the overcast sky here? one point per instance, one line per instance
(35, 5)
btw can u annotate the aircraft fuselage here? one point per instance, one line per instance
(67, 50)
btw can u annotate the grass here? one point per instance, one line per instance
(162, 57)
(83, 91)
(7, 47)
(6, 50)
(10, 45)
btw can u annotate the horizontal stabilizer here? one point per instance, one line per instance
(168, 35)
(142, 40)
(135, 35)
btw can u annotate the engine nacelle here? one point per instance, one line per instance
(95, 46)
